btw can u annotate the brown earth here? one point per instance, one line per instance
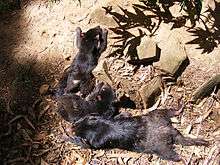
(37, 43)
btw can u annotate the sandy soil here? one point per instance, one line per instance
(37, 43)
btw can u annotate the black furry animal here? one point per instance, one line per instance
(79, 75)
(73, 107)
(152, 133)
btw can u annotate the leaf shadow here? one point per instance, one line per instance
(146, 15)
(207, 39)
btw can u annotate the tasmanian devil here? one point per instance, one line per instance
(152, 133)
(73, 107)
(79, 75)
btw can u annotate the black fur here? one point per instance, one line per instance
(79, 75)
(152, 133)
(73, 107)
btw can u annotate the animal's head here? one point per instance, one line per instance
(106, 93)
(90, 41)
(103, 93)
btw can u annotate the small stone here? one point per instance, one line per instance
(150, 91)
(43, 89)
(147, 48)
(146, 52)
(175, 120)
(180, 89)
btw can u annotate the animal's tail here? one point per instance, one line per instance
(187, 141)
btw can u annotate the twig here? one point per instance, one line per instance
(43, 50)
(43, 111)
(28, 158)
(29, 122)
(8, 108)
(154, 107)
(165, 95)
(83, 17)
(199, 121)
(30, 143)
(15, 118)
(25, 118)
(206, 88)
(212, 153)
(197, 134)
(20, 159)
(42, 153)
(207, 113)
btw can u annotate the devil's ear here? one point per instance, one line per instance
(99, 97)
(78, 30)
(97, 37)
(82, 34)
(79, 35)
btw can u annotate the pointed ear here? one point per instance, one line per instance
(97, 36)
(99, 97)
(78, 30)
(79, 36)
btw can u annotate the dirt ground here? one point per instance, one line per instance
(37, 43)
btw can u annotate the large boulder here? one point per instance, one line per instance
(173, 54)
(147, 48)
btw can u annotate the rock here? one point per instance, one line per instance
(147, 48)
(175, 10)
(99, 16)
(101, 72)
(143, 51)
(172, 55)
(206, 89)
(150, 91)
(130, 90)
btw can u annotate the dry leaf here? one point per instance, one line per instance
(42, 162)
(40, 136)
(120, 160)
(43, 111)
(126, 160)
(100, 153)
(43, 89)
(204, 116)
(175, 120)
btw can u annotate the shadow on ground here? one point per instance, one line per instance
(150, 14)
(207, 39)
(20, 100)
